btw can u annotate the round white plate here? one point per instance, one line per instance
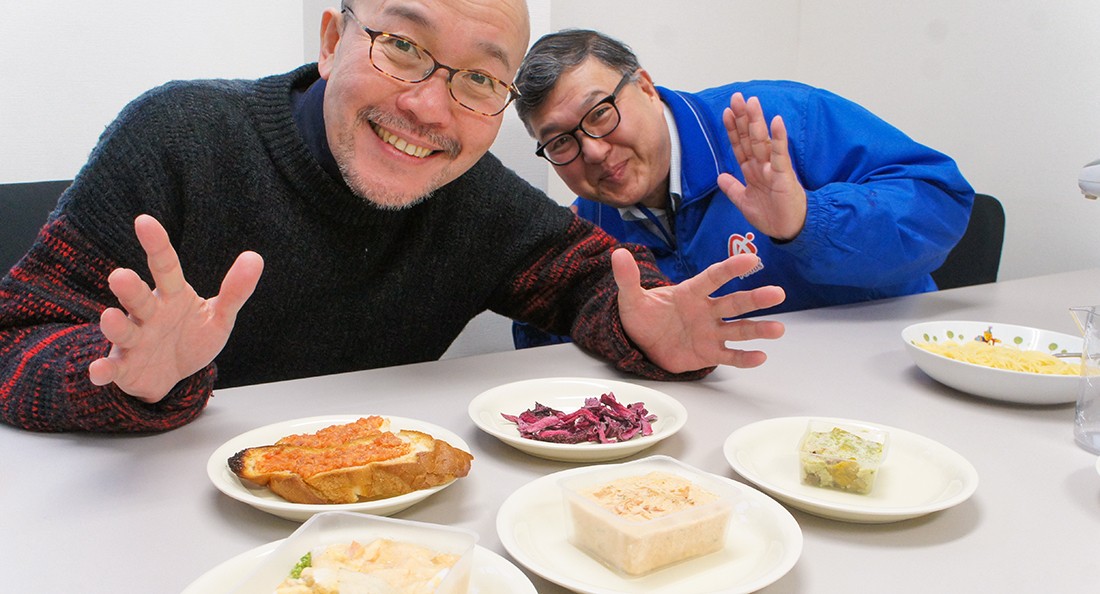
(987, 382)
(217, 468)
(567, 394)
(491, 573)
(918, 476)
(762, 545)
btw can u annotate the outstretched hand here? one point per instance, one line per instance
(167, 333)
(682, 328)
(771, 199)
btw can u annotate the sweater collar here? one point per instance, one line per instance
(275, 110)
(309, 115)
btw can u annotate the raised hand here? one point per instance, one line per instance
(168, 332)
(682, 328)
(772, 199)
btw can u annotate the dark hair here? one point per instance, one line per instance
(556, 53)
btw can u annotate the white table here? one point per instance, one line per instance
(89, 513)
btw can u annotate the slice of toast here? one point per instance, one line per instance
(349, 463)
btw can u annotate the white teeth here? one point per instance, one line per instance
(401, 144)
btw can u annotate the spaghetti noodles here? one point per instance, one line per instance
(1002, 357)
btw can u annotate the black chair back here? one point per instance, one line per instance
(24, 208)
(976, 258)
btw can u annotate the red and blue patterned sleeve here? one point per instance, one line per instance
(50, 304)
(570, 289)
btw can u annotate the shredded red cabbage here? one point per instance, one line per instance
(601, 420)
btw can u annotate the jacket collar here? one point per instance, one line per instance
(702, 156)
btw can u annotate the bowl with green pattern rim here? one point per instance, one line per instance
(1008, 385)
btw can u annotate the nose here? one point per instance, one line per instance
(429, 101)
(593, 150)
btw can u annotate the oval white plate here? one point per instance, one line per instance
(987, 382)
(217, 468)
(568, 394)
(491, 573)
(919, 476)
(762, 546)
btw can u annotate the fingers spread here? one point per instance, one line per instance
(759, 140)
(133, 294)
(164, 263)
(740, 303)
(780, 157)
(732, 188)
(118, 328)
(101, 372)
(742, 359)
(238, 285)
(742, 330)
(720, 273)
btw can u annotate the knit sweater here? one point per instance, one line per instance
(346, 286)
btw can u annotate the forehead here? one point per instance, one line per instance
(460, 31)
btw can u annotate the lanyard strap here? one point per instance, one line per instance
(666, 233)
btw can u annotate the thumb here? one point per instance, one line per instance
(732, 188)
(627, 276)
(239, 283)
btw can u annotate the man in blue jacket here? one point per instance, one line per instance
(838, 205)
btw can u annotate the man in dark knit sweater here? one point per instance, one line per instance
(383, 224)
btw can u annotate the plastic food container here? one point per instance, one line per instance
(332, 528)
(609, 515)
(841, 456)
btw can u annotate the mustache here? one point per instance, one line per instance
(451, 146)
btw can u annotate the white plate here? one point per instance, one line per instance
(762, 545)
(998, 384)
(491, 573)
(217, 468)
(568, 394)
(919, 476)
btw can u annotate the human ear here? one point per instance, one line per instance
(332, 23)
(645, 82)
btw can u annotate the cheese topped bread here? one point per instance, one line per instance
(353, 462)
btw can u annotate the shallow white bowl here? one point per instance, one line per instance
(998, 384)
(568, 394)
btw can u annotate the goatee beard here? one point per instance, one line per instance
(379, 197)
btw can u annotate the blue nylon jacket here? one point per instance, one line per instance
(883, 211)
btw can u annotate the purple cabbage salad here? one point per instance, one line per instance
(600, 420)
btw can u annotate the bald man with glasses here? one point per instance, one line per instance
(838, 205)
(342, 216)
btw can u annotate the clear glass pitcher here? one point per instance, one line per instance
(1086, 424)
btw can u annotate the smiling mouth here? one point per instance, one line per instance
(612, 174)
(400, 143)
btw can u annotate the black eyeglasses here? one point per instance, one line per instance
(404, 60)
(599, 121)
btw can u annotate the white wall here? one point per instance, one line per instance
(71, 65)
(1009, 88)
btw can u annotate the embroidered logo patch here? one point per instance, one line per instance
(743, 244)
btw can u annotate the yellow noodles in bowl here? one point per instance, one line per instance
(1002, 357)
(960, 354)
